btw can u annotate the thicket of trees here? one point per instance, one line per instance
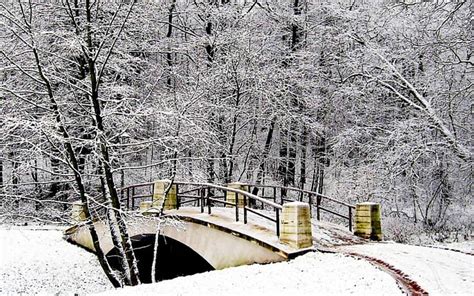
(361, 100)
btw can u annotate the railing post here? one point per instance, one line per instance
(318, 211)
(277, 218)
(231, 196)
(350, 219)
(246, 200)
(310, 202)
(245, 209)
(296, 225)
(161, 197)
(198, 200)
(178, 198)
(274, 194)
(201, 201)
(368, 221)
(208, 201)
(128, 198)
(145, 206)
(236, 207)
(77, 214)
(132, 197)
(152, 190)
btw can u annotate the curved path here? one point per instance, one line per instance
(421, 269)
(409, 286)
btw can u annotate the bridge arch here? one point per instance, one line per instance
(218, 245)
(173, 258)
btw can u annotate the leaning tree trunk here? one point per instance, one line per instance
(77, 176)
(103, 146)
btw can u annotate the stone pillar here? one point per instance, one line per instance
(295, 225)
(230, 197)
(145, 206)
(368, 221)
(77, 213)
(159, 194)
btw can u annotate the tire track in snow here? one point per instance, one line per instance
(409, 286)
(447, 249)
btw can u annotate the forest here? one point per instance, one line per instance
(359, 100)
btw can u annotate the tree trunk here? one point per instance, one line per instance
(1, 173)
(104, 152)
(304, 143)
(266, 152)
(233, 134)
(77, 176)
(169, 56)
(209, 48)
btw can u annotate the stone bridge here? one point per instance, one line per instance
(203, 226)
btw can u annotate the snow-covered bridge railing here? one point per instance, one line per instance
(276, 220)
(254, 198)
(203, 195)
(314, 199)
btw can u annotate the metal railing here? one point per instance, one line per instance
(205, 196)
(314, 199)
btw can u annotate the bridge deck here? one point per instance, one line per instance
(257, 229)
(325, 234)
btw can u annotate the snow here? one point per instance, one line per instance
(466, 246)
(440, 272)
(38, 261)
(326, 274)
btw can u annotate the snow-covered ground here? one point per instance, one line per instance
(439, 272)
(310, 274)
(39, 261)
(467, 247)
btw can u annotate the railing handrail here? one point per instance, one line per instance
(248, 195)
(245, 193)
(300, 190)
(220, 187)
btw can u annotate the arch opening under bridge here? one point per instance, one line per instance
(172, 259)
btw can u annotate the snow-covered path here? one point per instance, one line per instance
(41, 262)
(439, 272)
(310, 274)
